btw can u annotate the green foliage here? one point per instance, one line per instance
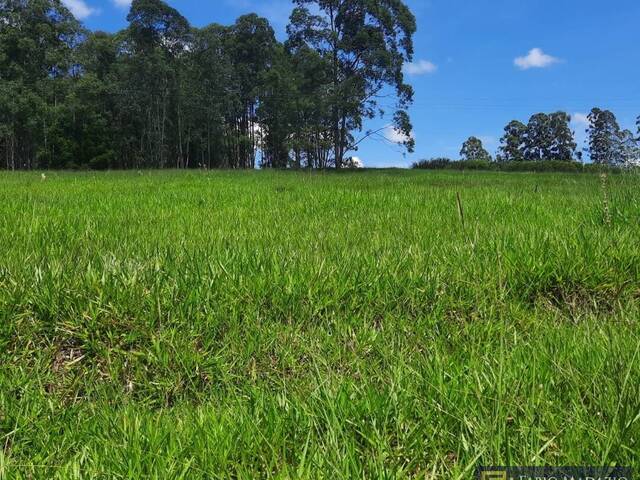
(513, 142)
(37, 42)
(363, 45)
(549, 137)
(447, 164)
(163, 94)
(473, 149)
(433, 164)
(298, 325)
(609, 144)
(628, 148)
(603, 134)
(517, 166)
(155, 25)
(545, 137)
(545, 166)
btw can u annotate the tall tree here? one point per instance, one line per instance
(604, 134)
(90, 110)
(539, 138)
(37, 43)
(545, 137)
(473, 149)
(628, 149)
(312, 129)
(157, 39)
(513, 142)
(252, 47)
(212, 97)
(276, 115)
(365, 43)
(563, 146)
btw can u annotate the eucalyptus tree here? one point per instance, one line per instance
(94, 128)
(472, 149)
(604, 134)
(163, 94)
(513, 142)
(365, 44)
(545, 137)
(628, 149)
(294, 113)
(563, 146)
(539, 138)
(37, 42)
(277, 111)
(313, 129)
(212, 94)
(157, 37)
(251, 46)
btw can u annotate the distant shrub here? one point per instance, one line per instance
(539, 166)
(448, 164)
(103, 161)
(474, 165)
(433, 164)
(599, 168)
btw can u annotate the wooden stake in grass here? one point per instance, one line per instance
(460, 209)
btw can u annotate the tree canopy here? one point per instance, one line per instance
(473, 149)
(362, 46)
(162, 93)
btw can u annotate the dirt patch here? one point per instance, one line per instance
(576, 300)
(65, 358)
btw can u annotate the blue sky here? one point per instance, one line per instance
(478, 63)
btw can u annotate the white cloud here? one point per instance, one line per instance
(122, 3)
(79, 8)
(394, 136)
(536, 58)
(357, 162)
(353, 162)
(421, 67)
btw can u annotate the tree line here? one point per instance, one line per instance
(549, 137)
(163, 94)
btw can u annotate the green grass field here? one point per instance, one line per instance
(296, 325)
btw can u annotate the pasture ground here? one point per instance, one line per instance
(296, 325)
